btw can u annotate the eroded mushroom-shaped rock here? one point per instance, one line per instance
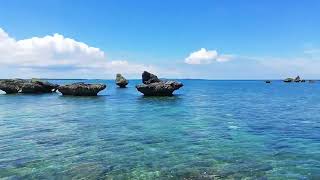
(11, 86)
(81, 89)
(152, 86)
(121, 81)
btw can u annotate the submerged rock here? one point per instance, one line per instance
(81, 89)
(152, 86)
(121, 81)
(268, 81)
(11, 86)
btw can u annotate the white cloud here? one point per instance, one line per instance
(204, 56)
(58, 53)
(47, 51)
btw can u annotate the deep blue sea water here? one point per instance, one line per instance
(208, 130)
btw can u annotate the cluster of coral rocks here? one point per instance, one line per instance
(296, 79)
(152, 86)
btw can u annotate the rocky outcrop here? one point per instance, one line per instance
(121, 81)
(288, 80)
(35, 87)
(297, 79)
(148, 78)
(11, 86)
(268, 81)
(81, 89)
(152, 86)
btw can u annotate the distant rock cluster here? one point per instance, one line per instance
(152, 86)
(297, 80)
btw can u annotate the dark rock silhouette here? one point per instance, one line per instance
(121, 81)
(81, 89)
(153, 86)
(148, 78)
(268, 81)
(297, 79)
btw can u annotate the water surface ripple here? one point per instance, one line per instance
(208, 130)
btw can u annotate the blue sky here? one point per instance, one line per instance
(261, 39)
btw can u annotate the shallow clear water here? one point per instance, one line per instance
(209, 129)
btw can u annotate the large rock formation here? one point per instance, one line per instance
(121, 81)
(152, 86)
(11, 86)
(81, 89)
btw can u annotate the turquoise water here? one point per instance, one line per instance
(208, 130)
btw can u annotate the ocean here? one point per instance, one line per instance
(207, 130)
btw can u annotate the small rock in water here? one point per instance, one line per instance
(81, 89)
(297, 79)
(268, 81)
(121, 81)
(152, 86)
